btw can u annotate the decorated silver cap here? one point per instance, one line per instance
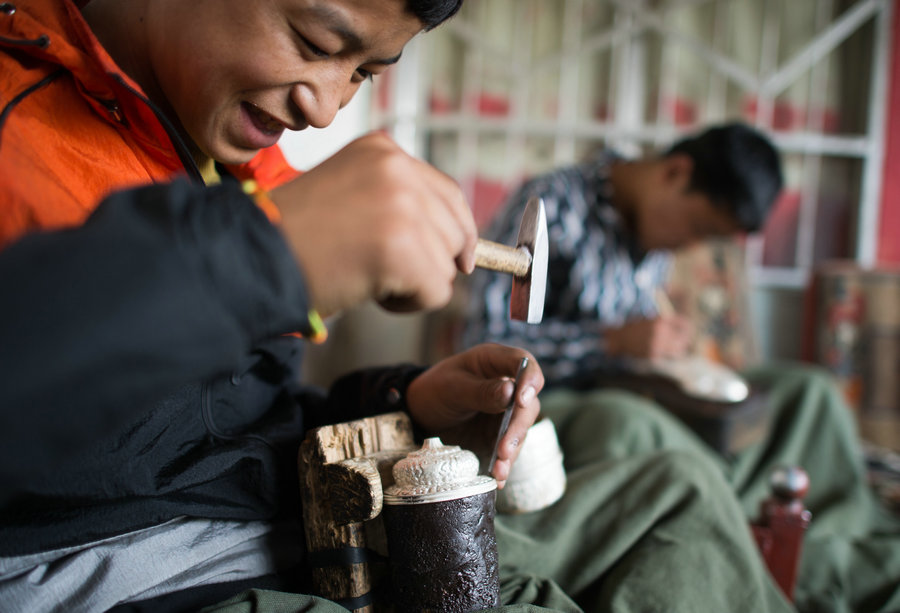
(435, 473)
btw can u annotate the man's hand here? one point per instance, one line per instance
(462, 399)
(374, 222)
(668, 336)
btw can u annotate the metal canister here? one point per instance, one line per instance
(439, 520)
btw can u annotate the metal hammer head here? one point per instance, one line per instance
(527, 262)
(526, 302)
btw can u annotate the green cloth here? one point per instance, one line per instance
(520, 593)
(670, 515)
(654, 520)
(268, 601)
(648, 522)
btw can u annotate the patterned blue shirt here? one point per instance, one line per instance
(597, 277)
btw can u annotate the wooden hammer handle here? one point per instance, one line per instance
(502, 258)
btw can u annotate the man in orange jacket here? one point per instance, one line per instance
(157, 255)
(148, 369)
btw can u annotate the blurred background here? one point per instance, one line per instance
(510, 88)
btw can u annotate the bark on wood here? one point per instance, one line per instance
(343, 470)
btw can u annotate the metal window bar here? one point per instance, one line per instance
(569, 82)
(521, 94)
(716, 106)
(804, 253)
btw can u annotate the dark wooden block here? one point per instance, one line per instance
(343, 470)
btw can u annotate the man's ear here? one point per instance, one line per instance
(677, 170)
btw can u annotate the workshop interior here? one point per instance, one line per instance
(236, 377)
(513, 88)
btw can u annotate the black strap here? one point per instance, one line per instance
(346, 556)
(29, 90)
(343, 556)
(42, 41)
(357, 602)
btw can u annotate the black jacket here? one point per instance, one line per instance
(147, 371)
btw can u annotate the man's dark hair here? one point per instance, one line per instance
(432, 13)
(738, 168)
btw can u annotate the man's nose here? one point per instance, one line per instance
(320, 98)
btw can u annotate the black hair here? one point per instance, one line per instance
(738, 168)
(433, 13)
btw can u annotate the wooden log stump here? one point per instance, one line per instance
(343, 470)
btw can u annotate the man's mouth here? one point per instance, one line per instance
(263, 121)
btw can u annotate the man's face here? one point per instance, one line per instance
(669, 215)
(682, 219)
(237, 73)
